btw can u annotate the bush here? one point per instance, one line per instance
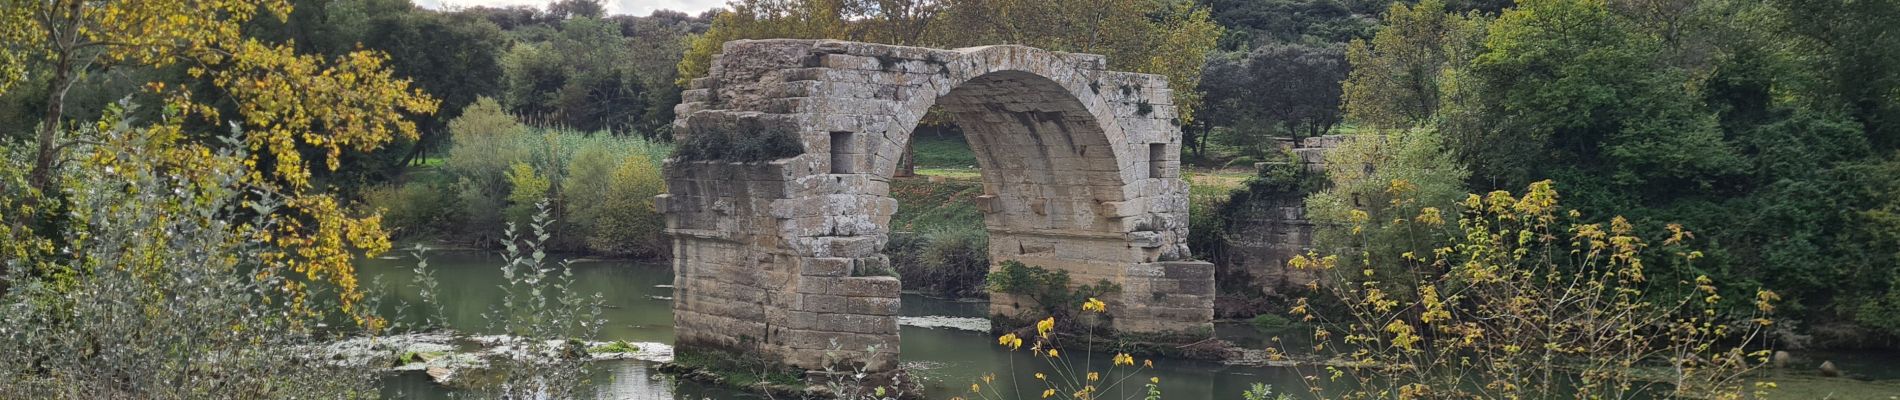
(624, 221)
(416, 209)
(601, 186)
(1049, 289)
(162, 290)
(949, 262)
(1523, 301)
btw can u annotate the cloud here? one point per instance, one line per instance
(627, 7)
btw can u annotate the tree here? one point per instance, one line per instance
(287, 105)
(1578, 82)
(1381, 183)
(1395, 76)
(1291, 21)
(1298, 86)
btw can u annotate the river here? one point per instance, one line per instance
(946, 360)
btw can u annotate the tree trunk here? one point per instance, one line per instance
(42, 175)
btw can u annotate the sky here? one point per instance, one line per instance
(627, 7)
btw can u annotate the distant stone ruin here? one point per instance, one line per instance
(779, 205)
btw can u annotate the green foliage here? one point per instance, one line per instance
(415, 209)
(1271, 323)
(941, 151)
(624, 221)
(601, 186)
(617, 346)
(1261, 391)
(1396, 75)
(1381, 184)
(750, 146)
(157, 291)
(948, 261)
(527, 189)
(585, 74)
(1050, 289)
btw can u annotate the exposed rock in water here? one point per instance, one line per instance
(444, 355)
(1829, 370)
(440, 375)
(935, 322)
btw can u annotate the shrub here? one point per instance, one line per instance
(625, 221)
(600, 186)
(527, 188)
(1525, 302)
(415, 209)
(949, 262)
(1049, 289)
(160, 290)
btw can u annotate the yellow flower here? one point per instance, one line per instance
(1148, 363)
(987, 378)
(1045, 326)
(975, 388)
(1053, 353)
(1047, 393)
(1011, 341)
(1154, 379)
(1040, 376)
(1095, 305)
(1124, 359)
(1095, 376)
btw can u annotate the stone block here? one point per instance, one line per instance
(868, 286)
(825, 266)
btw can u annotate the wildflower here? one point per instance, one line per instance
(1095, 376)
(1045, 326)
(1154, 379)
(1094, 305)
(1040, 376)
(1047, 393)
(988, 378)
(1124, 359)
(975, 388)
(1053, 353)
(1011, 341)
(1147, 363)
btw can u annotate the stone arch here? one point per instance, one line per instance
(1080, 166)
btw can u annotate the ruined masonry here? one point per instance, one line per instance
(1081, 172)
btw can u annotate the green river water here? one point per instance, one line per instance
(946, 360)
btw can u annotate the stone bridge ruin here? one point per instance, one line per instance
(773, 234)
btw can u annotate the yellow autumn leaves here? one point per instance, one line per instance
(288, 106)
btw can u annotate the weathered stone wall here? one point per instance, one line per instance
(1269, 230)
(1081, 173)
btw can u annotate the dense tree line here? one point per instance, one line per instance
(1764, 127)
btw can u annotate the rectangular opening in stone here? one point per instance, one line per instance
(842, 152)
(1157, 159)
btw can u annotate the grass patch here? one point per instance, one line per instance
(968, 174)
(924, 205)
(413, 357)
(617, 346)
(942, 151)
